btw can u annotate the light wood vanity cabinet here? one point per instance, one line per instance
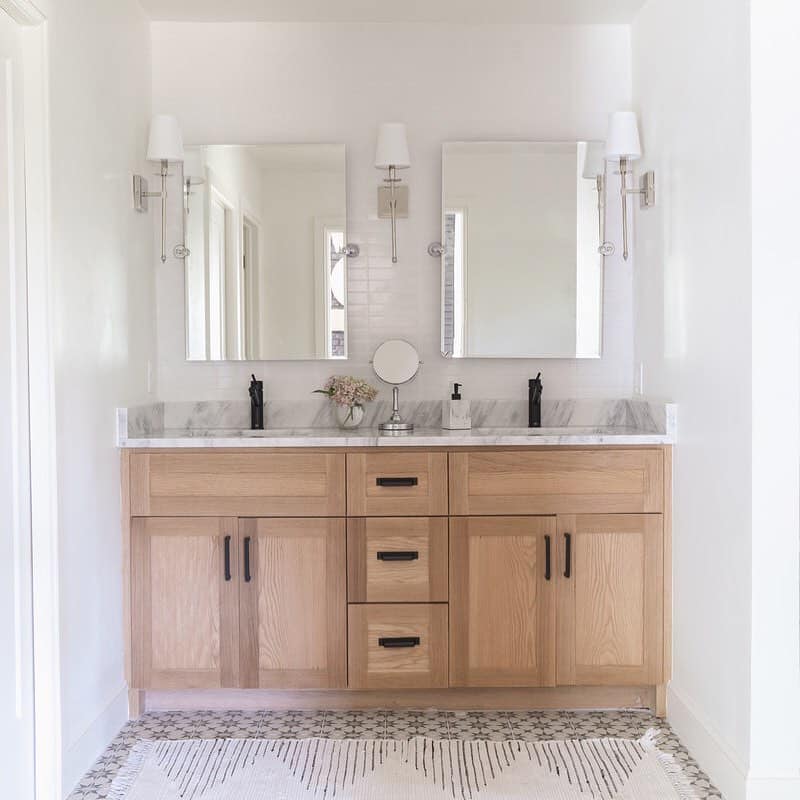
(482, 570)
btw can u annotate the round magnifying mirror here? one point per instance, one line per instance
(395, 362)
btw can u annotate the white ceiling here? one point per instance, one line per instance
(482, 11)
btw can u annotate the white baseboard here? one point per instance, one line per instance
(715, 757)
(77, 760)
(724, 767)
(773, 787)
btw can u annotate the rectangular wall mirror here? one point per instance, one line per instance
(521, 272)
(266, 276)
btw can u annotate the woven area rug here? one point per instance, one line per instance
(391, 769)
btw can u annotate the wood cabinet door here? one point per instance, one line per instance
(293, 604)
(184, 603)
(610, 599)
(502, 601)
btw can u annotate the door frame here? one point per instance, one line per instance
(42, 435)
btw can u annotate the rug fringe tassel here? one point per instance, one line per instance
(126, 777)
(678, 778)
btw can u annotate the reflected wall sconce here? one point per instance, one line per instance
(594, 169)
(165, 144)
(392, 153)
(623, 145)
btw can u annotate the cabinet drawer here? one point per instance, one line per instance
(550, 482)
(397, 484)
(397, 646)
(397, 560)
(237, 484)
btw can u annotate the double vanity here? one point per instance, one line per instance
(458, 569)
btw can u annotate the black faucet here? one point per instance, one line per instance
(256, 404)
(535, 402)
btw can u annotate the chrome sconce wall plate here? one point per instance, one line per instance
(392, 153)
(623, 145)
(165, 144)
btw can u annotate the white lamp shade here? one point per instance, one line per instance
(166, 141)
(392, 149)
(594, 163)
(623, 136)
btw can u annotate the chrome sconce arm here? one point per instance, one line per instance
(646, 192)
(140, 195)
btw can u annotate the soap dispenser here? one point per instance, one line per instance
(455, 412)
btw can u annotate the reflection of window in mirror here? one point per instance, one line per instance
(334, 293)
(454, 275)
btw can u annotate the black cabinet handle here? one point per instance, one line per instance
(227, 558)
(399, 641)
(547, 558)
(247, 559)
(398, 555)
(568, 554)
(390, 482)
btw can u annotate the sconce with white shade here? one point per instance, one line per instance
(165, 145)
(392, 153)
(623, 145)
(594, 169)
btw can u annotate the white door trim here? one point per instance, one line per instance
(44, 505)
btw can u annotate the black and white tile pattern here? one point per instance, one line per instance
(494, 725)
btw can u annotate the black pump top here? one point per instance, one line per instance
(456, 393)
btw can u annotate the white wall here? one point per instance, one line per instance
(729, 359)
(775, 285)
(327, 83)
(103, 298)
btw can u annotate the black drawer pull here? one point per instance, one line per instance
(390, 482)
(399, 641)
(567, 554)
(398, 555)
(227, 558)
(247, 559)
(547, 558)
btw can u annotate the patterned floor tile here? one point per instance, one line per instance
(536, 726)
(407, 724)
(497, 725)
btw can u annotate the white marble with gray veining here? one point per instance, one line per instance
(310, 424)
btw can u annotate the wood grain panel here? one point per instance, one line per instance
(184, 612)
(610, 608)
(293, 610)
(372, 666)
(555, 482)
(242, 484)
(372, 580)
(502, 609)
(427, 498)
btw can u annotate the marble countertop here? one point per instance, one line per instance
(422, 437)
